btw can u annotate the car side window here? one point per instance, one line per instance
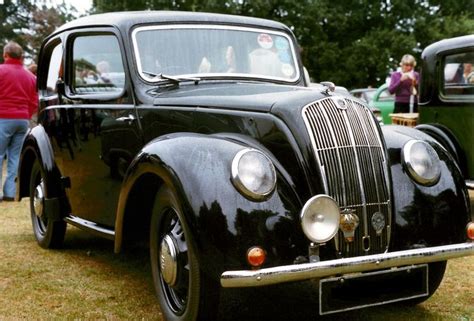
(97, 65)
(458, 74)
(54, 70)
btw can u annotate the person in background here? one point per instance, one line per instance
(18, 102)
(404, 84)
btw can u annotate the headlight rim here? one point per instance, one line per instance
(408, 164)
(241, 186)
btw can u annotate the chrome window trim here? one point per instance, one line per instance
(218, 27)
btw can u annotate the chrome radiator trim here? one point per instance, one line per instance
(306, 271)
(352, 159)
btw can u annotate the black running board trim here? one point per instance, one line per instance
(90, 227)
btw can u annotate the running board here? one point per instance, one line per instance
(91, 227)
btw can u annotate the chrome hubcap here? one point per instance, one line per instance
(38, 201)
(168, 260)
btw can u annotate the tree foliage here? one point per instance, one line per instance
(14, 16)
(354, 43)
(30, 22)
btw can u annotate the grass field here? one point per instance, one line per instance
(86, 281)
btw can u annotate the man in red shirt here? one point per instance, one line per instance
(18, 102)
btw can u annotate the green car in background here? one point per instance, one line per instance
(383, 101)
(446, 102)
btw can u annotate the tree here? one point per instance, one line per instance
(354, 43)
(43, 21)
(28, 24)
(14, 16)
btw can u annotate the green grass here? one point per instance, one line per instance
(86, 281)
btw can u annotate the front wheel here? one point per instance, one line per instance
(48, 233)
(184, 293)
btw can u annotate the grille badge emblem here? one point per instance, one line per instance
(348, 223)
(341, 104)
(378, 222)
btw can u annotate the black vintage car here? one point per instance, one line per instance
(197, 132)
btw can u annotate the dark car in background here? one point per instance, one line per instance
(446, 109)
(197, 133)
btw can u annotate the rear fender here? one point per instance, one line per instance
(37, 146)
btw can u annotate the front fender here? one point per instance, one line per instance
(425, 215)
(224, 223)
(448, 140)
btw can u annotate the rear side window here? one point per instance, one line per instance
(97, 65)
(458, 74)
(55, 70)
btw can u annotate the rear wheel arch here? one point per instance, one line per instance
(24, 174)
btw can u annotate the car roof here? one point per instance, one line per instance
(452, 43)
(124, 20)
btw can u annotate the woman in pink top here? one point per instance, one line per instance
(404, 84)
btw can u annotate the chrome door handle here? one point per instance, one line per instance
(128, 118)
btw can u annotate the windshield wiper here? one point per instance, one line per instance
(176, 80)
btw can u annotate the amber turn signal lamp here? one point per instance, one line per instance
(256, 256)
(470, 231)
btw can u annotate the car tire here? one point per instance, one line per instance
(184, 293)
(435, 276)
(49, 234)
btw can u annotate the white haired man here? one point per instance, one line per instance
(18, 102)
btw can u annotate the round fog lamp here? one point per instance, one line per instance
(320, 218)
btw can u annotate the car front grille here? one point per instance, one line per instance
(349, 151)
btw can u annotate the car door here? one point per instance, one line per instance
(93, 124)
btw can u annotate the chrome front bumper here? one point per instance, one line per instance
(298, 272)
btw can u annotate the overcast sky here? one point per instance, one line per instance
(81, 5)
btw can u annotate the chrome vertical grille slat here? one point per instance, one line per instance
(347, 145)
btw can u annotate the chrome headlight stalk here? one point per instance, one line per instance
(320, 218)
(253, 174)
(422, 162)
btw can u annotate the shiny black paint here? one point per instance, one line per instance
(224, 223)
(425, 216)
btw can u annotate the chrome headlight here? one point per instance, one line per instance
(422, 162)
(253, 174)
(320, 218)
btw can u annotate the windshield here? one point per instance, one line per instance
(212, 51)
